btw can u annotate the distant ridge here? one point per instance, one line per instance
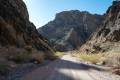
(70, 29)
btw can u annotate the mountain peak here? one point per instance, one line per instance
(82, 25)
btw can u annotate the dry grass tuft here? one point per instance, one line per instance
(109, 58)
(59, 54)
(92, 58)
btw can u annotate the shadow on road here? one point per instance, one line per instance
(61, 69)
(75, 65)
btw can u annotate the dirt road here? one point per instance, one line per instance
(69, 68)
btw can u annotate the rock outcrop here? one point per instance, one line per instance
(71, 29)
(107, 38)
(17, 31)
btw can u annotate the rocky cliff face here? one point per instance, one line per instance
(107, 38)
(16, 29)
(71, 29)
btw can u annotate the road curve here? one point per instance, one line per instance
(67, 68)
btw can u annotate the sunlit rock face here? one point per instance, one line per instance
(16, 29)
(108, 36)
(70, 29)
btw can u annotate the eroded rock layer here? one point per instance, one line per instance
(107, 38)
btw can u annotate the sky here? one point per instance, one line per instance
(43, 11)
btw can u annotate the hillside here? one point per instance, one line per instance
(107, 38)
(70, 29)
(19, 39)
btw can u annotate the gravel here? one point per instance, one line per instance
(102, 75)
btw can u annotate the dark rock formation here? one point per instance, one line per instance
(108, 36)
(71, 29)
(16, 29)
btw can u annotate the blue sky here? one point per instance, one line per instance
(43, 11)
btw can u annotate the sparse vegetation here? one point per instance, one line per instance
(111, 58)
(92, 58)
(19, 55)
